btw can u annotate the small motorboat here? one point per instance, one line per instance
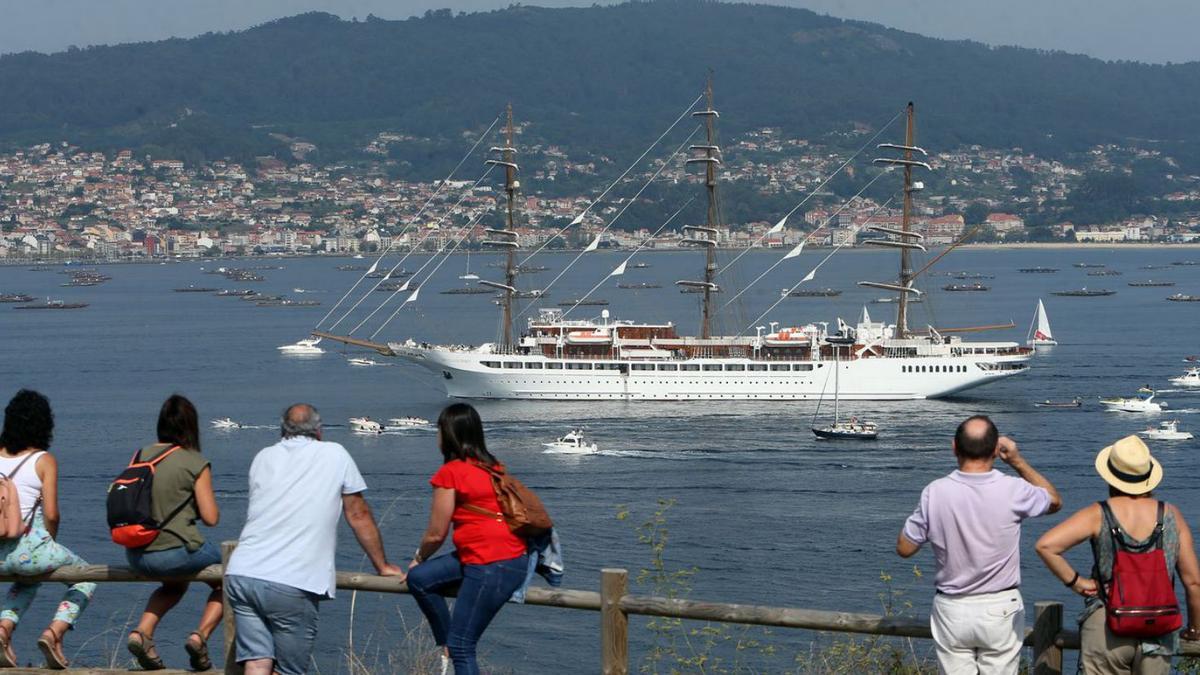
(408, 422)
(306, 346)
(1167, 430)
(1073, 403)
(573, 442)
(225, 423)
(852, 430)
(1189, 379)
(362, 362)
(1143, 402)
(1084, 293)
(1191, 359)
(365, 425)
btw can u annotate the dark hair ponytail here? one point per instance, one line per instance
(178, 423)
(462, 435)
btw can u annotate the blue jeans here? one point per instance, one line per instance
(482, 591)
(274, 621)
(173, 561)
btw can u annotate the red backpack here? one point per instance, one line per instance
(1139, 598)
(12, 525)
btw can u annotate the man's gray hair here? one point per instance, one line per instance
(301, 419)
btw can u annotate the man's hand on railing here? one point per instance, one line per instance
(390, 570)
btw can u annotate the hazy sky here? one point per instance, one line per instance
(1142, 30)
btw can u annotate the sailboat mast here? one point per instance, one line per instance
(510, 190)
(906, 272)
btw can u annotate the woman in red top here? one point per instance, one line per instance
(489, 562)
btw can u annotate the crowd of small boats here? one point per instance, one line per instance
(85, 278)
(366, 425)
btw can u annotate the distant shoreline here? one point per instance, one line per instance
(994, 246)
(1048, 245)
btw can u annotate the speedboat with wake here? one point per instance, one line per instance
(573, 442)
(306, 346)
(225, 423)
(1167, 430)
(1143, 402)
(362, 362)
(365, 425)
(408, 422)
(1189, 379)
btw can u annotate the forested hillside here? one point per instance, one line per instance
(596, 79)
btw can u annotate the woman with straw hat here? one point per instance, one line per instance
(1133, 511)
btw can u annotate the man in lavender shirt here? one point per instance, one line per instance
(972, 518)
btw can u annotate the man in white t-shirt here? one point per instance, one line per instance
(284, 562)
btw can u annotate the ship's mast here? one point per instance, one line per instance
(507, 237)
(906, 272)
(510, 194)
(706, 236)
(904, 238)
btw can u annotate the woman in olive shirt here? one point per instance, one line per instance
(182, 494)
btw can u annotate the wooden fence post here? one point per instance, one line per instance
(614, 623)
(1047, 624)
(231, 665)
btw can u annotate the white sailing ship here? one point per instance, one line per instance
(557, 358)
(1039, 330)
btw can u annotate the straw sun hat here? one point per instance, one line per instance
(1128, 466)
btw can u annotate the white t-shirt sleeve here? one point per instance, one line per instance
(916, 528)
(1030, 501)
(352, 480)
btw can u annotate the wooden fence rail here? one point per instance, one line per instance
(1048, 637)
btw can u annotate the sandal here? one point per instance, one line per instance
(8, 658)
(142, 648)
(197, 652)
(51, 645)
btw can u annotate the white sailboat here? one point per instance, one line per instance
(854, 429)
(468, 276)
(1039, 330)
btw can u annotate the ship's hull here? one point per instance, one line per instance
(477, 375)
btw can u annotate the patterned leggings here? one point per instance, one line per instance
(37, 553)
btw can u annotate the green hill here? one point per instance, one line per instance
(596, 79)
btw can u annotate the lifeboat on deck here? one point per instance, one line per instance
(788, 337)
(599, 336)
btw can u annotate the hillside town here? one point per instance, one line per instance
(59, 201)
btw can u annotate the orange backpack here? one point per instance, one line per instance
(12, 526)
(520, 507)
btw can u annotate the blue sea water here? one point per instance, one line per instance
(764, 512)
